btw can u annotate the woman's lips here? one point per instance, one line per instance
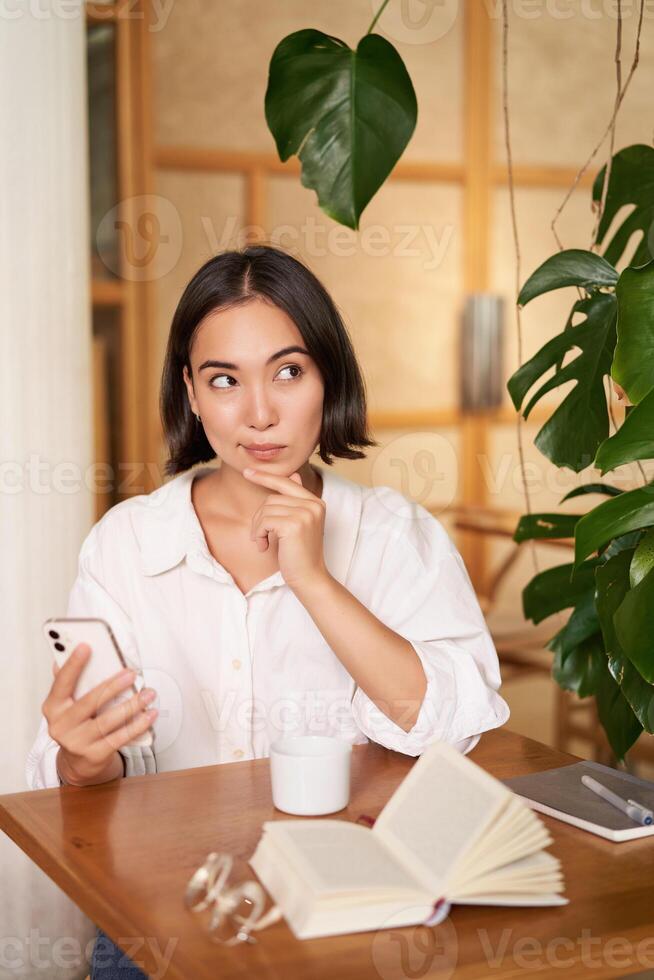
(264, 453)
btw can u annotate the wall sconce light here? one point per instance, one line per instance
(481, 352)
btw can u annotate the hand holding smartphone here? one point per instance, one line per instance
(93, 707)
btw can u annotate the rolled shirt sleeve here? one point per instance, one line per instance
(423, 593)
(90, 599)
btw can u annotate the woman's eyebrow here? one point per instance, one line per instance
(273, 357)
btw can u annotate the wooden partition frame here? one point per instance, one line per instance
(130, 297)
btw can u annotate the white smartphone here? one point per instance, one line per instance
(106, 658)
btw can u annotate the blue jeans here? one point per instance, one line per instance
(108, 961)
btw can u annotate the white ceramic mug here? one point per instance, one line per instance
(310, 774)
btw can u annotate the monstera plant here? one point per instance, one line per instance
(606, 648)
(347, 114)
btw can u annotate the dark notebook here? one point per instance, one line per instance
(560, 793)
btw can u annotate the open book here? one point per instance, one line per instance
(450, 833)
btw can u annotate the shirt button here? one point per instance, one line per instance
(236, 664)
(237, 753)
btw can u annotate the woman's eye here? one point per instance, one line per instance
(227, 378)
(292, 367)
(221, 377)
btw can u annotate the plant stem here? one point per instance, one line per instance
(377, 16)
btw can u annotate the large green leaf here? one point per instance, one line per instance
(550, 526)
(573, 433)
(621, 543)
(643, 559)
(348, 115)
(605, 489)
(557, 588)
(633, 361)
(628, 512)
(634, 626)
(618, 720)
(635, 688)
(571, 267)
(583, 668)
(582, 624)
(580, 668)
(631, 183)
(612, 580)
(633, 440)
(612, 585)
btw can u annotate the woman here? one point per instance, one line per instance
(267, 596)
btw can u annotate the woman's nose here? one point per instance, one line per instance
(261, 410)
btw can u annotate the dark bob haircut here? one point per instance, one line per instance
(232, 279)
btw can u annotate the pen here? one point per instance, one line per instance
(636, 811)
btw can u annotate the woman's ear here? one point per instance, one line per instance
(191, 393)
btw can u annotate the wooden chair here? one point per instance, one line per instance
(521, 646)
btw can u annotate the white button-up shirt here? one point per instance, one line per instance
(235, 671)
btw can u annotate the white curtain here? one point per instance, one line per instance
(45, 425)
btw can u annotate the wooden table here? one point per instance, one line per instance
(125, 850)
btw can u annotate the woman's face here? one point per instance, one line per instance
(242, 399)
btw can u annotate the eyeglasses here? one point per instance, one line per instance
(238, 910)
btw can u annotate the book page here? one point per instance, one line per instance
(516, 833)
(536, 873)
(442, 807)
(339, 856)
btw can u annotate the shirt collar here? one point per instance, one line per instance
(168, 528)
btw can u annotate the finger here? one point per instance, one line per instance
(105, 724)
(283, 484)
(287, 506)
(139, 724)
(68, 714)
(94, 700)
(269, 523)
(278, 499)
(67, 676)
(264, 515)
